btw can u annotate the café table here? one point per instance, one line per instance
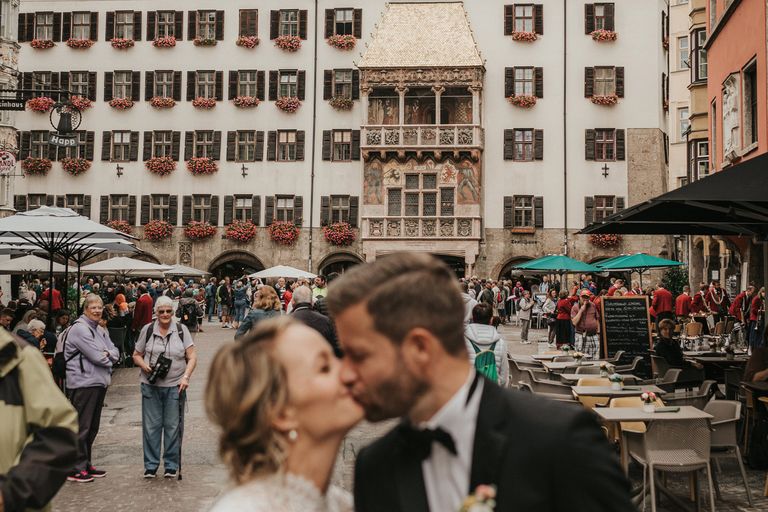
(561, 366)
(608, 391)
(548, 356)
(574, 377)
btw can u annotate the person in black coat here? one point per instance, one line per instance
(303, 312)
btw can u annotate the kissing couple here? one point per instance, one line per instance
(285, 403)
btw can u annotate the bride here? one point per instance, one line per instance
(283, 412)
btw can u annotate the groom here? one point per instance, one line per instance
(400, 322)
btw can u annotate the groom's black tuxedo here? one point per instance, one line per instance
(541, 455)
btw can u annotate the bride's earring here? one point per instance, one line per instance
(293, 436)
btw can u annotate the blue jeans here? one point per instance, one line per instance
(161, 417)
(240, 310)
(210, 303)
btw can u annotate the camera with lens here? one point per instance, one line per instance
(160, 369)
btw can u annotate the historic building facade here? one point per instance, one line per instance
(485, 132)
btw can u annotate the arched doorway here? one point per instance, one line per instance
(338, 263)
(234, 264)
(145, 256)
(456, 263)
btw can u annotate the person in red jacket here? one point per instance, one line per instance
(717, 300)
(617, 285)
(741, 304)
(756, 317)
(56, 303)
(698, 306)
(683, 304)
(662, 304)
(563, 324)
(142, 313)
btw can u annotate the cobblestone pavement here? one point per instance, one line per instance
(118, 450)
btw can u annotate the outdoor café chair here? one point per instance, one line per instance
(588, 370)
(515, 373)
(629, 368)
(670, 379)
(698, 400)
(693, 330)
(563, 359)
(616, 357)
(590, 402)
(548, 386)
(725, 415)
(659, 366)
(526, 375)
(527, 388)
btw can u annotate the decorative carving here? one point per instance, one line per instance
(446, 227)
(465, 227)
(464, 136)
(393, 228)
(428, 227)
(731, 116)
(373, 138)
(423, 77)
(446, 136)
(411, 227)
(376, 227)
(392, 137)
(185, 253)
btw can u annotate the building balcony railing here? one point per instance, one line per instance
(456, 136)
(421, 227)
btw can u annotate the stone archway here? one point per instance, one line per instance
(338, 262)
(234, 264)
(504, 271)
(145, 256)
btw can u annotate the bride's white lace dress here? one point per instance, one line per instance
(283, 493)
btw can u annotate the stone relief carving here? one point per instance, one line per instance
(185, 253)
(465, 227)
(731, 117)
(376, 227)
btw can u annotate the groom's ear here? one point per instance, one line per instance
(286, 420)
(418, 348)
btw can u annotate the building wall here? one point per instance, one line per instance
(679, 94)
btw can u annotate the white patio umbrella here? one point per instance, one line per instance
(29, 264)
(120, 265)
(185, 271)
(282, 271)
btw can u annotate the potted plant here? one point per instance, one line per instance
(606, 241)
(161, 165)
(80, 102)
(197, 230)
(75, 166)
(283, 233)
(160, 102)
(522, 100)
(249, 42)
(341, 103)
(288, 43)
(601, 35)
(342, 42)
(288, 104)
(605, 100)
(204, 41)
(120, 225)
(649, 401)
(242, 231)
(42, 44)
(79, 44)
(164, 42)
(40, 104)
(204, 103)
(121, 103)
(339, 233)
(202, 165)
(122, 43)
(605, 370)
(157, 230)
(33, 166)
(526, 37)
(617, 381)
(246, 101)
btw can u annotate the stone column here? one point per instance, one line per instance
(401, 90)
(475, 90)
(364, 99)
(438, 90)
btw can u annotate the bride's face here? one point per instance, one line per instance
(318, 402)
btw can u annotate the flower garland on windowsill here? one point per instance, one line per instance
(242, 231)
(202, 165)
(289, 104)
(42, 44)
(606, 101)
(40, 104)
(246, 101)
(80, 44)
(81, 102)
(605, 241)
(33, 166)
(288, 43)
(157, 230)
(339, 233)
(164, 42)
(342, 42)
(197, 230)
(604, 36)
(283, 233)
(161, 102)
(75, 166)
(522, 100)
(120, 225)
(121, 103)
(161, 165)
(204, 41)
(204, 103)
(525, 37)
(120, 43)
(249, 42)
(341, 103)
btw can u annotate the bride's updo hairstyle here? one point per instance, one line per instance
(246, 389)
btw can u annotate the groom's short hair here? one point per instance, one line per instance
(403, 291)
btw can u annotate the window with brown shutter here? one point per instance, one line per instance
(523, 214)
(509, 212)
(249, 22)
(509, 144)
(605, 145)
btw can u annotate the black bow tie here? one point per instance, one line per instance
(419, 442)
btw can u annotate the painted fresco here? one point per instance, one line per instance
(373, 190)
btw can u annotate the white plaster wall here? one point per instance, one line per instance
(679, 95)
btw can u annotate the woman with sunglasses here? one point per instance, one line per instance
(163, 392)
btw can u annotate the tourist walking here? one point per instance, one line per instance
(586, 322)
(757, 319)
(266, 304)
(210, 298)
(469, 303)
(524, 308)
(240, 303)
(549, 312)
(563, 327)
(487, 350)
(224, 299)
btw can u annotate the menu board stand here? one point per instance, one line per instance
(626, 325)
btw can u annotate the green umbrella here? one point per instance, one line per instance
(639, 262)
(557, 263)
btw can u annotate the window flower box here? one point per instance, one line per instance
(197, 230)
(604, 36)
(40, 104)
(204, 41)
(339, 233)
(522, 100)
(246, 101)
(605, 241)
(249, 42)
(79, 44)
(162, 102)
(75, 166)
(161, 165)
(81, 102)
(341, 103)
(288, 43)
(342, 42)
(242, 231)
(289, 104)
(36, 166)
(202, 165)
(204, 103)
(121, 103)
(120, 43)
(157, 230)
(42, 44)
(606, 101)
(122, 226)
(525, 37)
(164, 42)
(283, 233)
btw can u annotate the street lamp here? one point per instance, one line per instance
(244, 170)
(119, 170)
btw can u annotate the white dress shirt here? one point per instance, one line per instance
(446, 476)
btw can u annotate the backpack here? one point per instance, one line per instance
(151, 329)
(485, 361)
(188, 314)
(59, 365)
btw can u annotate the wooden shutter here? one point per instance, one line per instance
(232, 89)
(173, 210)
(186, 210)
(298, 210)
(178, 25)
(191, 79)
(269, 210)
(175, 143)
(137, 25)
(328, 82)
(149, 85)
(94, 28)
(108, 78)
(509, 19)
(538, 144)
(134, 147)
(256, 210)
(620, 145)
(109, 31)
(25, 144)
(217, 145)
(56, 36)
(49, 200)
(355, 84)
(589, 210)
(300, 145)
(21, 31)
(274, 24)
(301, 84)
(589, 18)
(147, 153)
(538, 19)
(87, 205)
(20, 203)
(303, 23)
(106, 146)
(132, 210)
(509, 212)
(151, 22)
(620, 81)
(104, 209)
(66, 26)
(215, 210)
(327, 134)
(509, 82)
(589, 82)
(325, 210)
(92, 86)
(609, 17)
(177, 85)
(589, 144)
(355, 144)
(354, 210)
(273, 75)
(538, 212)
(509, 144)
(538, 82)
(136, 85)
(330, 18)
(619, 204)
(249, 22)
(357, 25)
(30, 26)
(26, 80)
(260, 85)
(191, 25)
(145, 206)
(231, 144)
(89, 140)
(219, 25)
(259, 146)
(229, 206)
(219, 86)
(189, 145)
(271, 145)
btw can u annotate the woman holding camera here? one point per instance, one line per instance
(166, 355)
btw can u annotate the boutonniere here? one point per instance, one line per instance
(482, 500)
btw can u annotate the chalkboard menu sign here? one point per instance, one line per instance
(626, 326)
